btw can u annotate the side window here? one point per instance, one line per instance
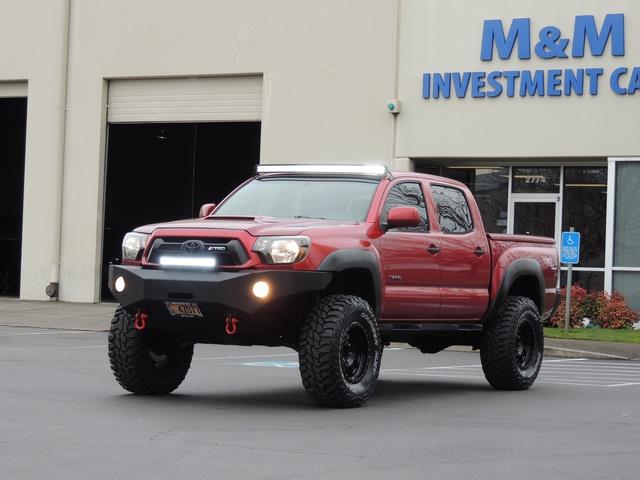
(407, 195)
(454, 215)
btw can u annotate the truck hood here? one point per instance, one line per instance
(256, 226)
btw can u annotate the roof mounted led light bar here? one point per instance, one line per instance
(369, 170)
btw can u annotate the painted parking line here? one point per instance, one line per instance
(575, 372)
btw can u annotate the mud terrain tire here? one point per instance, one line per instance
(340, 351)
(145, 362)
(512, 345)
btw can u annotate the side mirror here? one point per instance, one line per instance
(399, 217)
(206, 209)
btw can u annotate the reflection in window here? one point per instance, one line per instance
(536, 180)
(628, 284)
(490, 187)
(407, 195)
(454, 215)
(585, 208)
(587, 280)
(626, 249)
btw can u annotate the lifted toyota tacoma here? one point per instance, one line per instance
(334, 262)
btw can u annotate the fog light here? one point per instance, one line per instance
(261, 289)
(119, 284)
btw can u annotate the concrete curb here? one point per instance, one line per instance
(70, 329)
(574, 353)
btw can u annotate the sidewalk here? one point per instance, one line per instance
(62, 315)
(97, 317)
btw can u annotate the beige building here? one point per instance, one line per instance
(118, 113)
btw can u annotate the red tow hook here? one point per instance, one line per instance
(232, 325)
(140, 322)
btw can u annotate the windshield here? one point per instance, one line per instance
(333, 199)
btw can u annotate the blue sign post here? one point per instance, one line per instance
(569, 254)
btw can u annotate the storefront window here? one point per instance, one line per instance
(627, 218)
(490, 187)
(585, 208)
(628, 284)
(536, 180)
(588, 280)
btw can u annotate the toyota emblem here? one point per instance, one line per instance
(193, 247)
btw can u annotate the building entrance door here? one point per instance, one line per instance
(158, 172)
(536, 214)
(13, 123)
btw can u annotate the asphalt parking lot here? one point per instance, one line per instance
(242, 414)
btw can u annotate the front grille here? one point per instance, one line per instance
(226, 251)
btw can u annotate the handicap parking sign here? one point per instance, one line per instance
(570, 247)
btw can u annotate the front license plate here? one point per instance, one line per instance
(184, 309)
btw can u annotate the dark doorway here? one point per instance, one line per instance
(166, 171)
(13, 128)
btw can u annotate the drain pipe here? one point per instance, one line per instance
(52, 289)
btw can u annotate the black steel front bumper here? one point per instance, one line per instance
(232, 290)
(217, 294)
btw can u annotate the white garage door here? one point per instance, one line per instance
(205, 99)
(13, 89)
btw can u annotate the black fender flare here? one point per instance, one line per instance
(348, 258)
(519, 268)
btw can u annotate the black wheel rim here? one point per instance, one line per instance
(525, 345)
(162, 352)
(354, 353)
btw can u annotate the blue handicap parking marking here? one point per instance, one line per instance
(269, 363)
(570, 247)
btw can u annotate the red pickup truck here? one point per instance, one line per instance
(334, 262)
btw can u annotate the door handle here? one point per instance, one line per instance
(433, 249)
(479, 251)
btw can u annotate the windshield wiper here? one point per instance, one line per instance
(315, 218)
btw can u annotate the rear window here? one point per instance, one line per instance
(454, 215)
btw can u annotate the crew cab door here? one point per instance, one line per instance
(411, 259)
(466, 258)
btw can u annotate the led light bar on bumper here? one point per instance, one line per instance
(197, 262)
(282, 249)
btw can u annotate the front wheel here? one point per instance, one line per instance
(340, 351)
(513, 345)
(146, 362)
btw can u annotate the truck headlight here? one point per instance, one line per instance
(133, 245)
(282, 249)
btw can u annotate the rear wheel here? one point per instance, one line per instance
(513, 345)
(146, 362)
(340, 351)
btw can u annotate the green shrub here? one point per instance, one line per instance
(602, 309)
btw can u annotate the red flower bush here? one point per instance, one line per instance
(604, 310)
(616, 313)
(578, 298)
